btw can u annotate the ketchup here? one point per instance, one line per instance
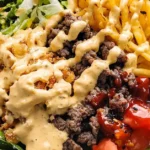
(98, 100)
(137, 115)
(112, 127)
(136, 119)
(141, 90)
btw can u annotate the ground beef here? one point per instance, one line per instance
(114, 79)
(124, 91)
(1, 67)
(78, 69)
(74, 126)
(86, 61)
(86, 138)
(64, 52)
(118, 103)
(75, 45)
(94, 126)
(103, 78)
(93, 93)
(86, 33)
(89, 57)
(80, 122)
(60, 123)
(64, 25)
(69, 46)
(104, 49)
(67, 21)
(82, 111)
(122, 58)
(71, 145)
(131, 80)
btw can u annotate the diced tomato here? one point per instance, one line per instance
(118, 82)
(137, 115)
(105, 123)
(123, 75)
(112, 127)
(98, 99)
(111, 92)
(140, 139)
(141, 90)
(105, 144)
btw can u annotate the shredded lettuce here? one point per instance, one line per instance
(31, 14)
(5, 2)
(64, 3)
(50, 9)
(20, 23)
(27, 4)
(4, 145)
(8, 13)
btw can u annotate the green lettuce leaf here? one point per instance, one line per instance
(32, 16)
(64, 3)
(4, 145)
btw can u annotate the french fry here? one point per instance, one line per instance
(147, 32)
(117, 2)
(138, 31)
(129, 2)
(124, 16)
(103, 14)
(132, 46)
(143, 19)
(82, 3)
(141, 72)
(100, 20)
(109, 4)
(143, 65)
(143, 15)
(82, 12)
(146, 56)
(148, 12)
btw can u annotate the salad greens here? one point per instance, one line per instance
(64, 3)
(7, 12)
(22, 14)
(4, 145)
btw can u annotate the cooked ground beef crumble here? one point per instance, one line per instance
(112, 92)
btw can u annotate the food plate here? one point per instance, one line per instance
(74, 75)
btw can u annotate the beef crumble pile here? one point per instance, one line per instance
(107, 102)
(112, 94)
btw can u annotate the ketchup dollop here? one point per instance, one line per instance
(133, 130)
(141, 89)
(98, 99)
(137, 115)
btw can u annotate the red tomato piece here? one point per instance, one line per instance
(140, 139)
(105, 144)
(112, 127)
(137, 115)
(123, 75)
(118, 82)
(111, 92)
(98, 99)
(141, 90)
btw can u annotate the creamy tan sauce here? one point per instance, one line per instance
(25, 100)
(41, 134)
